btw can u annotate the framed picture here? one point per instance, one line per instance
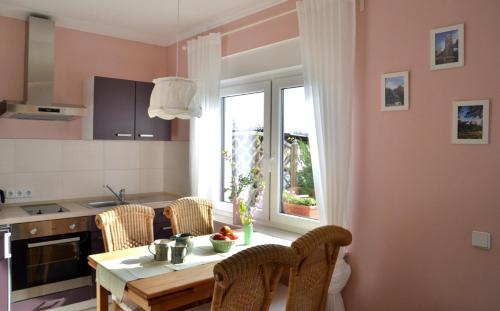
(447, 47)
(394, 91)
(471, 122)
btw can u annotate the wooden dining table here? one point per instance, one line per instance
(166, 291)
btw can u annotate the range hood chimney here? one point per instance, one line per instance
(39, 103)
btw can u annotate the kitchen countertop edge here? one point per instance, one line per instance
(13, 213)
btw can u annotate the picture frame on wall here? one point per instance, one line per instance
(395, 88)
(471, 122)
(447, 47)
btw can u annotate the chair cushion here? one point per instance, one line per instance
(279, 299)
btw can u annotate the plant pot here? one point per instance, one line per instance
(301, 210)
(248, 231)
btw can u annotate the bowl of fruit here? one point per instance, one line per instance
(223, 240)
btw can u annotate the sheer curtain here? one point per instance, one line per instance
(204, 67)
(327, 34)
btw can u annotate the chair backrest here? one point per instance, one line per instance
(317, 253)
(191, 214)
(126, 226)
(248, 280)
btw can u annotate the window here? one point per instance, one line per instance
(267, 125)
(297, 183)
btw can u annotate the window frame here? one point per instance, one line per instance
(242, 89)
(272, 83)
(276, 216)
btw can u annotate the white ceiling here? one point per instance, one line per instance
(150, 21)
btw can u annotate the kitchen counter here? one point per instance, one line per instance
(14, 214)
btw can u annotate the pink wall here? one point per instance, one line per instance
(417, 196)
(78, 55)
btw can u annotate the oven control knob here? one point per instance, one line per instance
(33, 231)
(72, 227)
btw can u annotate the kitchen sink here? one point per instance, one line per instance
(105, 204)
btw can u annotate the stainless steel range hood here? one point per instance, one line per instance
(40, 79)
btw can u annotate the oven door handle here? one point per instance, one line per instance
(7, 252)
(53, 242)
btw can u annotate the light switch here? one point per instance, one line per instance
(481, 239)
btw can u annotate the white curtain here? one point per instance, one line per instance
(327, 34)
(204, 67)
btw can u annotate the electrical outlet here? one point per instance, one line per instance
(11, 194)
(19, 193)
(27, 193)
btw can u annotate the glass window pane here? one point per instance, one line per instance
(297, 186)
(243, 137)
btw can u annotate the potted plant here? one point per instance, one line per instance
(243, 210)
(299, 205)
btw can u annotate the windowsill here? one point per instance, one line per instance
(265, 228)
(224, 219)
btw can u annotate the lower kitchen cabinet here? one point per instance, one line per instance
(162, 230)
(161, 225)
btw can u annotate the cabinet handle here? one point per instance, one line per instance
(165, 228)
(123, 135)
(72, 227)
(33, 231)
(146, 135)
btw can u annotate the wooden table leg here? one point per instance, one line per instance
(102, 298)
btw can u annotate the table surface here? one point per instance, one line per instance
(166, 283)
(160, 285)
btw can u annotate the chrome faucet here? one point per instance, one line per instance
(120, 196)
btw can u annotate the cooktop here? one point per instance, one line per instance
(41, 209)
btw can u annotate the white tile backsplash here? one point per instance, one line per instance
(38, 156)
(151, 154)
(177, 181)
(78, 184)
(121, 155)
(82, 155)
(7, 156)
(151, 180)
(122, 179)
(43, 186)
(55, 169)
(176, 153)
(7, 181)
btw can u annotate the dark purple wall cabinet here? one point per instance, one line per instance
(121, 111)
(145, 127)
(114, 109)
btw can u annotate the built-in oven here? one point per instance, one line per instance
(49, 256)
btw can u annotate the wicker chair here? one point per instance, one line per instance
(191, 214)
(309, 281)
(126, 226)
(247, 280)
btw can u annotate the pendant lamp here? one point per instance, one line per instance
(171, 97)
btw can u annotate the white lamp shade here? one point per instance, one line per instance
(171, 98)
